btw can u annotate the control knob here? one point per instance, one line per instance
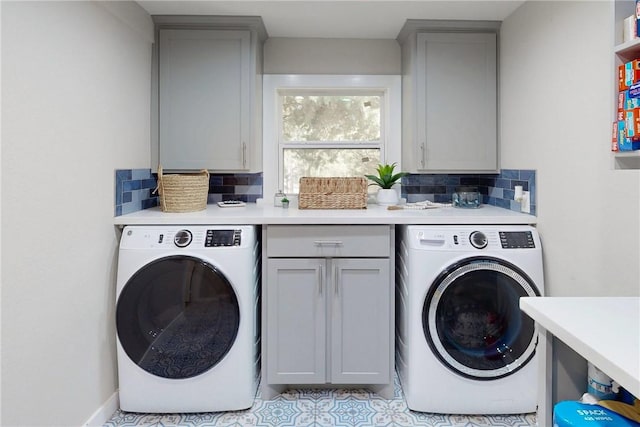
(478, 240)
(182, 239)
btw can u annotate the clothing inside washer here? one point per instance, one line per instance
(478, 320)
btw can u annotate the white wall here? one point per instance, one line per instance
(331, 56)
(75, 106)
(557, 99)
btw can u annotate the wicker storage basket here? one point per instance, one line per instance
(332, 193)
(185, 192)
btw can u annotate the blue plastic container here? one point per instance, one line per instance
(574, 414)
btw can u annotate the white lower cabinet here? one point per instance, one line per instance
(328, 320)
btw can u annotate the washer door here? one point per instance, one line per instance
(472, 320)
(177, 317)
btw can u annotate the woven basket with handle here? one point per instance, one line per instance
(184, 192)
(332, 193)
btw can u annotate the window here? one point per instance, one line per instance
(336, 118)
(332, 133)
(328, 126)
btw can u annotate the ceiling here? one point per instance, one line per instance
(362, 19)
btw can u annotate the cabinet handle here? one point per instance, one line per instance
(327, 242)
(244, 155)
(422, 155)
(335, 278)
(319, 273)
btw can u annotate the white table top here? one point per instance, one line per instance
(603, 330)
(266, 214)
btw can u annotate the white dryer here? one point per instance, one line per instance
(187, 332)
(463, 345)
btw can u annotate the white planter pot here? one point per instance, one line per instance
(387, 196)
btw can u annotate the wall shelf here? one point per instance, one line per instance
(623, 52)
(626, 160)
(629, 49)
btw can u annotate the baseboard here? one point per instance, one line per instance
(104, 413)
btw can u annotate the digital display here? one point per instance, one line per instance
(222, 238)
(517, 240)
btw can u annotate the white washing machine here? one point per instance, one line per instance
(186, 318)
(463, 345)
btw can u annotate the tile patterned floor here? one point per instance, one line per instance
(322, 408)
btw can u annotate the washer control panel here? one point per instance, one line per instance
(476, 238)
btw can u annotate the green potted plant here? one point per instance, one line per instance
(386, 179)
(285, 202)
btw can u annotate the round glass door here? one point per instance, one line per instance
(177, 317)
(472, 320)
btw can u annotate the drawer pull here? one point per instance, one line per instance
(432, 242)
(328, 243)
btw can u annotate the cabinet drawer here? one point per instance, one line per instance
(328, 241)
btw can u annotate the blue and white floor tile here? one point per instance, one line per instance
(322, 408)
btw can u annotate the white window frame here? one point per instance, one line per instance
(273, 84)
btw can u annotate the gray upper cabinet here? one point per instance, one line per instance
(209, 96)
(449, 97)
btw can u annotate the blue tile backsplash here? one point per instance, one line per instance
(246, 187)
(496, 189)
(134, 188)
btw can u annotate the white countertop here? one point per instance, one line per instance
(603, 330)
(265, 214)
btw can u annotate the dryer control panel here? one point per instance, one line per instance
(212, 238)
(517, 240)
(222, 238)
(188, 238)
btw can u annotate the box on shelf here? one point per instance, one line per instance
(629, 102)
(628, 74)
(637, 18)
(632, 72)
(634, 91)
(614, 137)
(628, 144)
(632, 123)
(621, 96)
(629, 28)
(624, 142)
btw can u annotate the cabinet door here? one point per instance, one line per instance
(456, 102)
(296, 321)
(204, 99)
(360, 321)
